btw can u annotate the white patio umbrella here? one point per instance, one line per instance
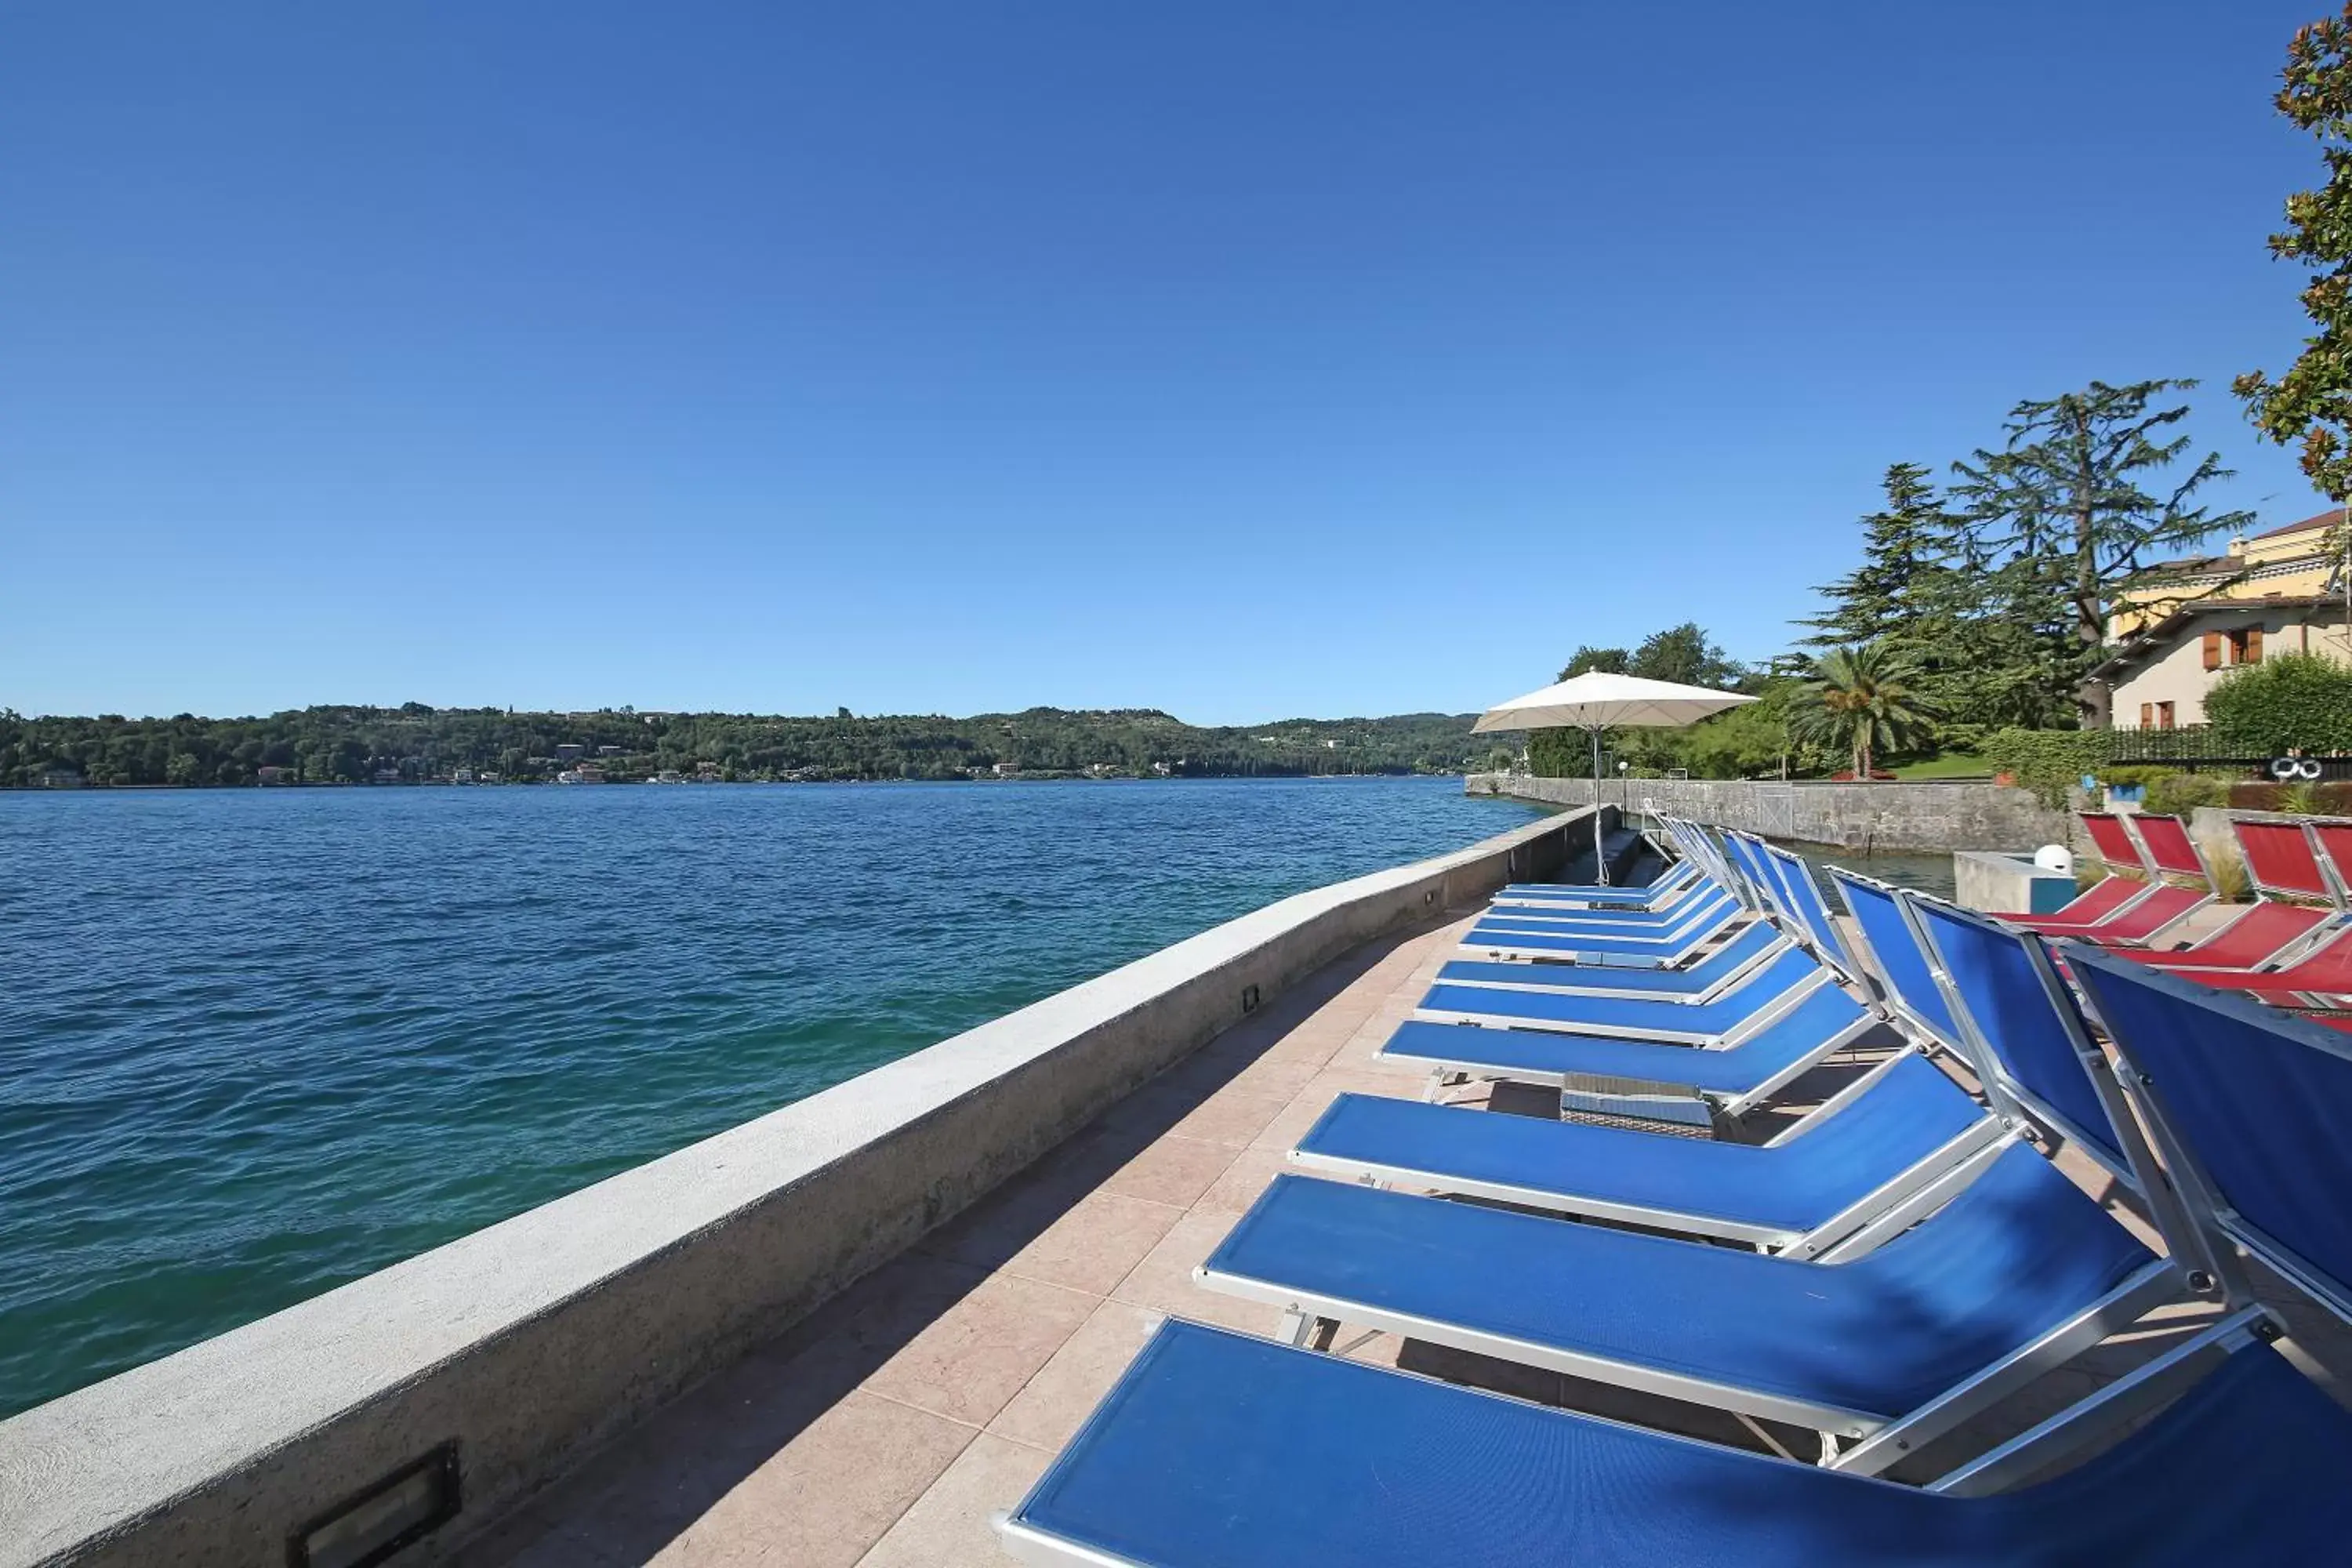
(1597, 700)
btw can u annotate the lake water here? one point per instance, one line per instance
(258, 1043)
(1925, 873)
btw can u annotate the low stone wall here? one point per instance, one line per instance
(1862, 817)
(529, 1342)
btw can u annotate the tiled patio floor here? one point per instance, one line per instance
(887, 1428)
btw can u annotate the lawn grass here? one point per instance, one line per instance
(1955, 765)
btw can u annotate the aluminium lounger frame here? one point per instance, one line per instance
(1768, 1014)
(1930, 1181)
(1856, 1440)
(1877, 1442)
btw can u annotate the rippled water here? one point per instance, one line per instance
(257, 1043)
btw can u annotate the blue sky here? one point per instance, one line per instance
(1244, 360)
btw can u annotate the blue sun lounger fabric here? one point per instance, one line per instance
(1901, 1121)
(2019, 1252)
(1217, 1448)
(1717, 967)
(1684, 917)
(1902, 967)
(1677, 880)
(2262, 1100)
(1664, 1019)
(1992, 970)
(1824, 1019)
(1680, 913)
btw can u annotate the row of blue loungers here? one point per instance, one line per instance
(1899, 1260)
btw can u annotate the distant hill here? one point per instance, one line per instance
(415, 743)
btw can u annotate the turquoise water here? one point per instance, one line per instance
(258, 1043)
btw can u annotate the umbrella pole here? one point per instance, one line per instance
(1600, 853)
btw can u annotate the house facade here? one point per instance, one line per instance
(2179, 627)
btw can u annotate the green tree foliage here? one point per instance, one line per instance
(415, 742)
(1608, 660)
(1684, 654)
(2312, 403)
(2296, 701)
(1901, 583)
(1864, 702)
(2082, 494)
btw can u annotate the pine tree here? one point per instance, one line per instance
(2064, 512)
(1903, 551)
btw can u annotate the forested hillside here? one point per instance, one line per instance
(416, 744)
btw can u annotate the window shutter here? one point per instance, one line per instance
(2148, 715)
(2212, 650)
(2253, 654)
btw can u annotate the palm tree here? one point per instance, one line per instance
(1859, 700)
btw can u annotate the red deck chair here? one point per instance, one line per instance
(2170, 853)
(2279, 858)
(2283, 860)
(2091, 909)
(2264, 934)
(2326, 970)
(2331, 837)
(2111, 910)
(2170, 849)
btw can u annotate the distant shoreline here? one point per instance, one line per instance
(348, 785)
(413, 744)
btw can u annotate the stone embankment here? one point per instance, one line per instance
(1870, 818)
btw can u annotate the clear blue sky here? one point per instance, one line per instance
(1247, 360)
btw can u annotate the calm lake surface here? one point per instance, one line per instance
(256, 1044)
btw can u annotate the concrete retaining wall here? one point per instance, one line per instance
(2008, 884)
(530, 1341)
(1868, 817)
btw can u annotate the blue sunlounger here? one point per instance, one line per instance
(1702, 981)
(2016, 1274)
(1220, 1450)
(1904, 1133)
(1758, 998)
(1731, 1078)
(1679, 881)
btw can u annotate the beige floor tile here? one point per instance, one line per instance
(826, 1496)
(1173, 1171)
(1286, 1128)
(1163, 1281)
(1230, 1117)
(967, 1363)
(950, 1526)
(1243, 1181)
(1088, 1246)
(1046, 1411)
(1280, 1078)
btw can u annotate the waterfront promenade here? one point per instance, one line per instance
(891, 1425)
(887, 1428)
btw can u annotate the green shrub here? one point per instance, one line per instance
(2297, 700)
(2050, 762)
(2134, 775)
(2301, 798)
(2179, 793)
